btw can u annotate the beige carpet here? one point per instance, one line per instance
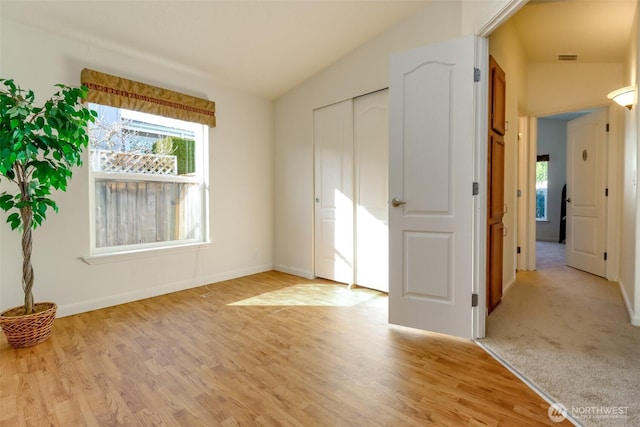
(568, 333)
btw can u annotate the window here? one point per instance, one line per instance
(148, 165)
(542, 178)
(147, 178)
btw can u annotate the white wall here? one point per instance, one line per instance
(241, 181)
(629, 241)
(631, 282)
(478, 13)
(505, 47)
(364, 70)
(565, 87)
(562, 87)
(552, 140)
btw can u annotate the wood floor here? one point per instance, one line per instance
(269, 349)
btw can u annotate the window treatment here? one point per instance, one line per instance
(114, 91)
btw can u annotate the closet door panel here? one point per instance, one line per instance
(334, 219)
(371, 139)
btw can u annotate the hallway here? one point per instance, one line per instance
(569, 334)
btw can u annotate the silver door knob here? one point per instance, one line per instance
(395, 202)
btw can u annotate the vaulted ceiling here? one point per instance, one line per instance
(267, 47)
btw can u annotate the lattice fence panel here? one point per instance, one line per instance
(113, 161)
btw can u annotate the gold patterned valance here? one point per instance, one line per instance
(118, 92)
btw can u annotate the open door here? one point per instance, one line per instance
(495, 183)
(587, 192)
(431, 159)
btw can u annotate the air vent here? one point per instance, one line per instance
(567, 57)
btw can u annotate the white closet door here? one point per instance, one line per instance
(371, 139)
(333, 153)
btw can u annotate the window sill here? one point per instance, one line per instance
(543, 220)
(143, 253)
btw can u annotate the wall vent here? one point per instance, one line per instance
(567, 57)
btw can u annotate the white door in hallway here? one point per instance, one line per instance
(586, 192)
(431, 162)
(371, 139)
(333, 153)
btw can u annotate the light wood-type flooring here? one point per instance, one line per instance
(269, 349)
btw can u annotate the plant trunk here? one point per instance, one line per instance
(27, 269)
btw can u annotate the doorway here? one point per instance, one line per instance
(572, 186)
(602, 249)
(550, 86)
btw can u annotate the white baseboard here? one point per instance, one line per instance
(295, 271)
(635, 319)
(508, 287)
(98, 303)
(547, 239)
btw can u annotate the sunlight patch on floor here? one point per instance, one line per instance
(312, 295)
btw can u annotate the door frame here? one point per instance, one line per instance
(615, 139)
(480, 146)
(614, 173)
(525, 204)
(479, 315)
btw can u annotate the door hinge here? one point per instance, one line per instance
(474, 300)
(606, 192)
(475, 189)
(607, 127)
(476, 74)
(605, 256)
(519, 193)
(518, 250)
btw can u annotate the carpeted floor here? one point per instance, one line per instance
(569, 334)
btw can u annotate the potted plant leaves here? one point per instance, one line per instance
(39, 147)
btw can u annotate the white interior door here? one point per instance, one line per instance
(333, 153)
(371, 138)
(586, 187)
(432, 132)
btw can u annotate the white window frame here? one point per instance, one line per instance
(546, 194)
(201, 136)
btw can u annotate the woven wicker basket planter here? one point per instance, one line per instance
(27, 330)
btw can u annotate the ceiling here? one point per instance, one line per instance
(267, 47)
(596, 30)
(264, 47)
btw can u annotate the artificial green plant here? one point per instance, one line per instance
(39, 146)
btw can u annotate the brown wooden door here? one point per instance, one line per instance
(495, 183)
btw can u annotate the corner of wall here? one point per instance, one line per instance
(307, 274)
(633, 317)
(480, 16)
